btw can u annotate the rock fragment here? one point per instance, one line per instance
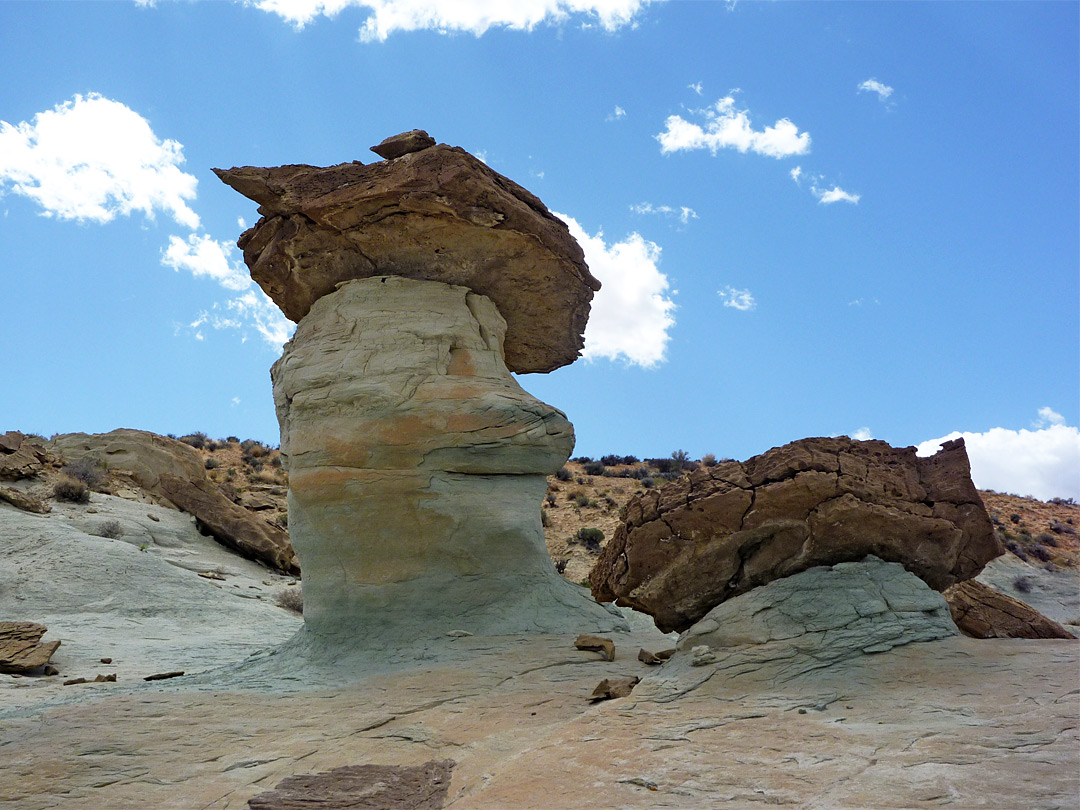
(21, 457)
(604, 646)
(21, 647)
(24, 500)
(612, 688)
(654, 658)
(982, 612)
(407, 142)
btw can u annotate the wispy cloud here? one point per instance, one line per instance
(874, 86)
(632, 315)
(742, 300)
(1047, 417)
(1043, 463)
(93, 159)
(386, 17)
(617, 114)
(863, 434)
(725, 127)
(682, 212)
(796, 173)
(696, 87)
(833, 195)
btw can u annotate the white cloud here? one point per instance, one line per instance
(386, 17)
(696, 87)
(728, 128)
(1048, 416)
(1042, 463)
(92, 158)
(203, 256)
(796, 173)
(632, 314)
(741, 300)
(834, 194)
(874, 86)
(683, 213)
(618, 113)
(863, 434)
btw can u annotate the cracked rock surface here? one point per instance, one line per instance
(417, 466)
(721, 531)
(437, 213)
(982, 612)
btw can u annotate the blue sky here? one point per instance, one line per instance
(810, 218)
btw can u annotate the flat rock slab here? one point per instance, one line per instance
(355, 787)
(960, 723)
(438, 214)
(982, 612)
(21, 648)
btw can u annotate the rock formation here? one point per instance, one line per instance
(416, 462)
(721, 531)
(982, 612)
(21, 647)
(173, 472)
(434, 213)
(20, 457)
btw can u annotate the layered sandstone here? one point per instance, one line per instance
(982, 612)
(417, 466)
(431, 212)
(721, 531)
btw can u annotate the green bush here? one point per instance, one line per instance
(590, 537)
(564, 474)
(211, 463)
(196, 440)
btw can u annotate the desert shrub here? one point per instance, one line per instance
(637, 472)
(550, 498)
(590, 537)
(282, 520)
(90, 470)
(564, 474)
(262, 476)
(595, 468)
(681, 459)
(232, 440)
(1022, 584)
(615, 460)
(648, 483)
(276, 461)
(1046, 539)
(580, 499)
(560, 565)
(544, 521)
(110, 529)
(196, 440)
(1063, 501)
(291, 599)
(1039, 551)
(1057, 527)
(212, 445)
(582, 459)
(254, 449)
(1014, 517)
(1016, 549)
(71, 490)
(211, 464)
(661, 465)
(709, 460)
(995, 518)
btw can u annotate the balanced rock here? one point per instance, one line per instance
(437, 214)
(818, 617)
(721, 531)
(174, 473)
(417, 466)
(982, 612)
(406, 143)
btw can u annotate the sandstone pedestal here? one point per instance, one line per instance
(417, 468)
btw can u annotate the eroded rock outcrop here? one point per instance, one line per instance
(173, 472)
(21, 647)
(435, 213)
(721, 531)
(417, 464)
(982, 612)
(21, 457)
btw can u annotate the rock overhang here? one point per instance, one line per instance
(434, 213)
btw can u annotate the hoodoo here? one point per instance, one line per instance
(416, 462)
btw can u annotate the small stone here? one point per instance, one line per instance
(611, 688)
(111, 678)
(459, 633)
(74, 681)
(403, 144)
(50, 670)
(161, 676)
(91, 511)
(599, 644)
(106, 660)
(654, 659)
(154, 518)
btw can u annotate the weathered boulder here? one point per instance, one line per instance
(21, 647)
(982, 612)
(397, 145)
(173, 472)
(438, 214)
(721, 531)
(20, 457)
(26, 501)
(417, 466)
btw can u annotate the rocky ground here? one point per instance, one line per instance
(955, 722)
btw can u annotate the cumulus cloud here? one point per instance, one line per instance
(1042, 463)
(203, 256)
(863, 434)
(632, 314)
(386, 17)
(725, 127)
(834, 194)
(682, 212)
(741, 300)
(874, 86)
(92, 159)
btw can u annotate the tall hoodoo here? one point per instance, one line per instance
(416, 462)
